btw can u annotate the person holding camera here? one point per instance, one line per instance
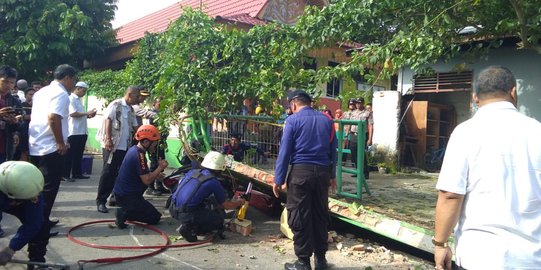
(10, 106)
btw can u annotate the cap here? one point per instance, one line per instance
(81, 84)
(144, 92)
(352, 101)
(360, 100)
(297, 94)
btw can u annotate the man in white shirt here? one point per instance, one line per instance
(116, 133)
(77, 130)
(48, 133)
(490, 183)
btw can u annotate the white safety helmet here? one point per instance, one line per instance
(20, 180)
(214, 161)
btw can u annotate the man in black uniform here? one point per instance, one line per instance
(309, 145)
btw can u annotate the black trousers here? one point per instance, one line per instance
(206, 218)
(75, 155)
(353, 148)
(109, 173)
(51, 166)
(37, 247)
(307, 207)
(156, 156)
(136, 208)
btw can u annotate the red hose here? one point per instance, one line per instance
(160, 248)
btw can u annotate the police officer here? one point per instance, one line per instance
(192, 195)
(364, 115)
(133, 178)
(309, 145)
(20, 187)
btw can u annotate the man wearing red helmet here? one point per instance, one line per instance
(134, 177)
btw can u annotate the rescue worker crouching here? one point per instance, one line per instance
(20, 187)
(134, 177)
(189, 199)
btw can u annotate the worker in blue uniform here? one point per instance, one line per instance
(134, 177)
(20, 187)
(308, 144)
(197, 194)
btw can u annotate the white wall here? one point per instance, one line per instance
(525, 65)
(386, 107)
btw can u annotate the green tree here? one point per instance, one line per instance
(37, 35)
(414, 33)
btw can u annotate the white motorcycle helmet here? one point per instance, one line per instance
(20, 180)
(214, 161)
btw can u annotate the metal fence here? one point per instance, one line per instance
(262, 134)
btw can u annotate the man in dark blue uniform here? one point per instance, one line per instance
(309, 145)
(191, 204)
(20, 187)
(134, 178)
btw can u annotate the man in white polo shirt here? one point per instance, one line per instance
(490, 183)
(77, 130)
(48, 134)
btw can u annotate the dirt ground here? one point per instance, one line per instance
(265, 248)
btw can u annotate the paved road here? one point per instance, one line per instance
(75, 204)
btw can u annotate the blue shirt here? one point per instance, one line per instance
(308, 138)
(188, 184)
(31, 217)
(128, 181)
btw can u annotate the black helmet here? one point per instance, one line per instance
(352, 101)
(360, 100)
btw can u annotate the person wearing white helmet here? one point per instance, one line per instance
(20, 186)
(18, 92)
(188, 201)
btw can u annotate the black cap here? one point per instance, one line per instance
(352, 101)
(360, 100)
(297, 94)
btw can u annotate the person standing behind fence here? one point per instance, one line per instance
(309, 145)
(490, 183)
(48, 134)
(363, 115)
(77, 128)
(115, 135)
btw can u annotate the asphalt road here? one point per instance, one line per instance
(265, 248)
(75, 204)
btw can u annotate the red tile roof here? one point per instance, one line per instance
(239, 10)
(243, 18)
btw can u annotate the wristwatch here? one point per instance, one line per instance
(439, 244)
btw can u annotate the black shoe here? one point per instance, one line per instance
(188, 232)
(120, 218)
(67, 179)
(81, 177)
(320, 263)
(53, 234)
(53, 223)
(102, 208)
(2, 232)
(112, 202)
(297, 265)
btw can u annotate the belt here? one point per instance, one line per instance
(310, 166)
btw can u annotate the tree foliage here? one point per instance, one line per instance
(415, 33)
(37, 35)
(202, 68)
(107, 84)
(206, 68)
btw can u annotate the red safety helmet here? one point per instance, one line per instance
(148, 132)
